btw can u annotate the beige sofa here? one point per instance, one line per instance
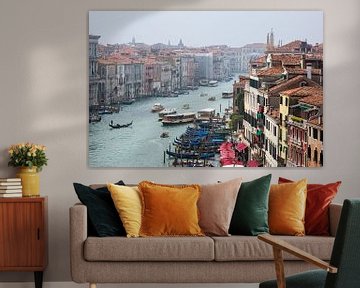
(234, 259)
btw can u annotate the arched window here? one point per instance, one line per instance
(321, 158)
(315, 159)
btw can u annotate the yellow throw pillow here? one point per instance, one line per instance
(287, 204)
(169, 210)
(127, 201)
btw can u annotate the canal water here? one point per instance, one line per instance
(140, 145)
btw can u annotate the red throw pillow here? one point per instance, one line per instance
(319, 197)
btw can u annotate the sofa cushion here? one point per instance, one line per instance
(102, 215)
(318, 199)
(287, 204)
(216, 206)
(245, 248)
(149, 249)
(127, 201)
(169, 210)
(250, 215)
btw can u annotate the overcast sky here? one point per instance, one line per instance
(202, 28)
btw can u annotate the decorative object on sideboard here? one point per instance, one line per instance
(30, 158)
(10, 187)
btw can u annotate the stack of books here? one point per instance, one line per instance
(10, 187)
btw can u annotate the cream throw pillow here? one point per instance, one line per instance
(127, 201)
(216, 206)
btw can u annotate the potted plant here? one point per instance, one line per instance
(30, 158)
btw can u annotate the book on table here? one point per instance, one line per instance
(6, 180)
(9, 188)
(10, 183)
(10, 191)
(9, 195)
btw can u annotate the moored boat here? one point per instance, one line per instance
(227, 94)
(167, 112)
(127, 101)
(206, 114)
(180, 118)
(212, 98)
(93, 118)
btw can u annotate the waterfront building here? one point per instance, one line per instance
(133, 79)
(289, 99)
(187, 71)
(304, 126)
(108, 82)
(271, 132)
(203, 66)
(94, 79)
(315, 149)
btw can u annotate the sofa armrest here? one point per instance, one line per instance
(334, 217)
(78, 235)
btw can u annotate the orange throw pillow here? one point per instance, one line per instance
(319, 197)
(169, 210)
(287, 204)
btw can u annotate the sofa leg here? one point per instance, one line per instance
(92, 285)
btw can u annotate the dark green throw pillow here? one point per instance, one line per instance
(103, 218)
(250, 216)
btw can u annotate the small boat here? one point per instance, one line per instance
(105, 111)
(227, 94)
(186, 106)
(206, 114)
(190, 155)
(180, 118)
(157, 107)
(213, 83)
(203, 82)
(203, 94)
(127, 101)
(93, 118)
(164, 135)
(117, 126)
(164, 112)
(212, 98)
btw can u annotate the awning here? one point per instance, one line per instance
(252, 163)
(241, 146)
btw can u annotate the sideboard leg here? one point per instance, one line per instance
(38, 279)
(92, 285)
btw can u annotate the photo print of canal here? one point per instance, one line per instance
(205, 89)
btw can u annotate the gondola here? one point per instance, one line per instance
(117, 126)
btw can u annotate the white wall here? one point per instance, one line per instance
(44, 90)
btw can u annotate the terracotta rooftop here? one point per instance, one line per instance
(304, 92)
(287, 59)
(290, 47)
(259, 59)
(269, 71)
(316, 100)
(300, 71)
(287, 84)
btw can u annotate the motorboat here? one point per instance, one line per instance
(157, 107)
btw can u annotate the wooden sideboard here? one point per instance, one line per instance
(23, 235)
